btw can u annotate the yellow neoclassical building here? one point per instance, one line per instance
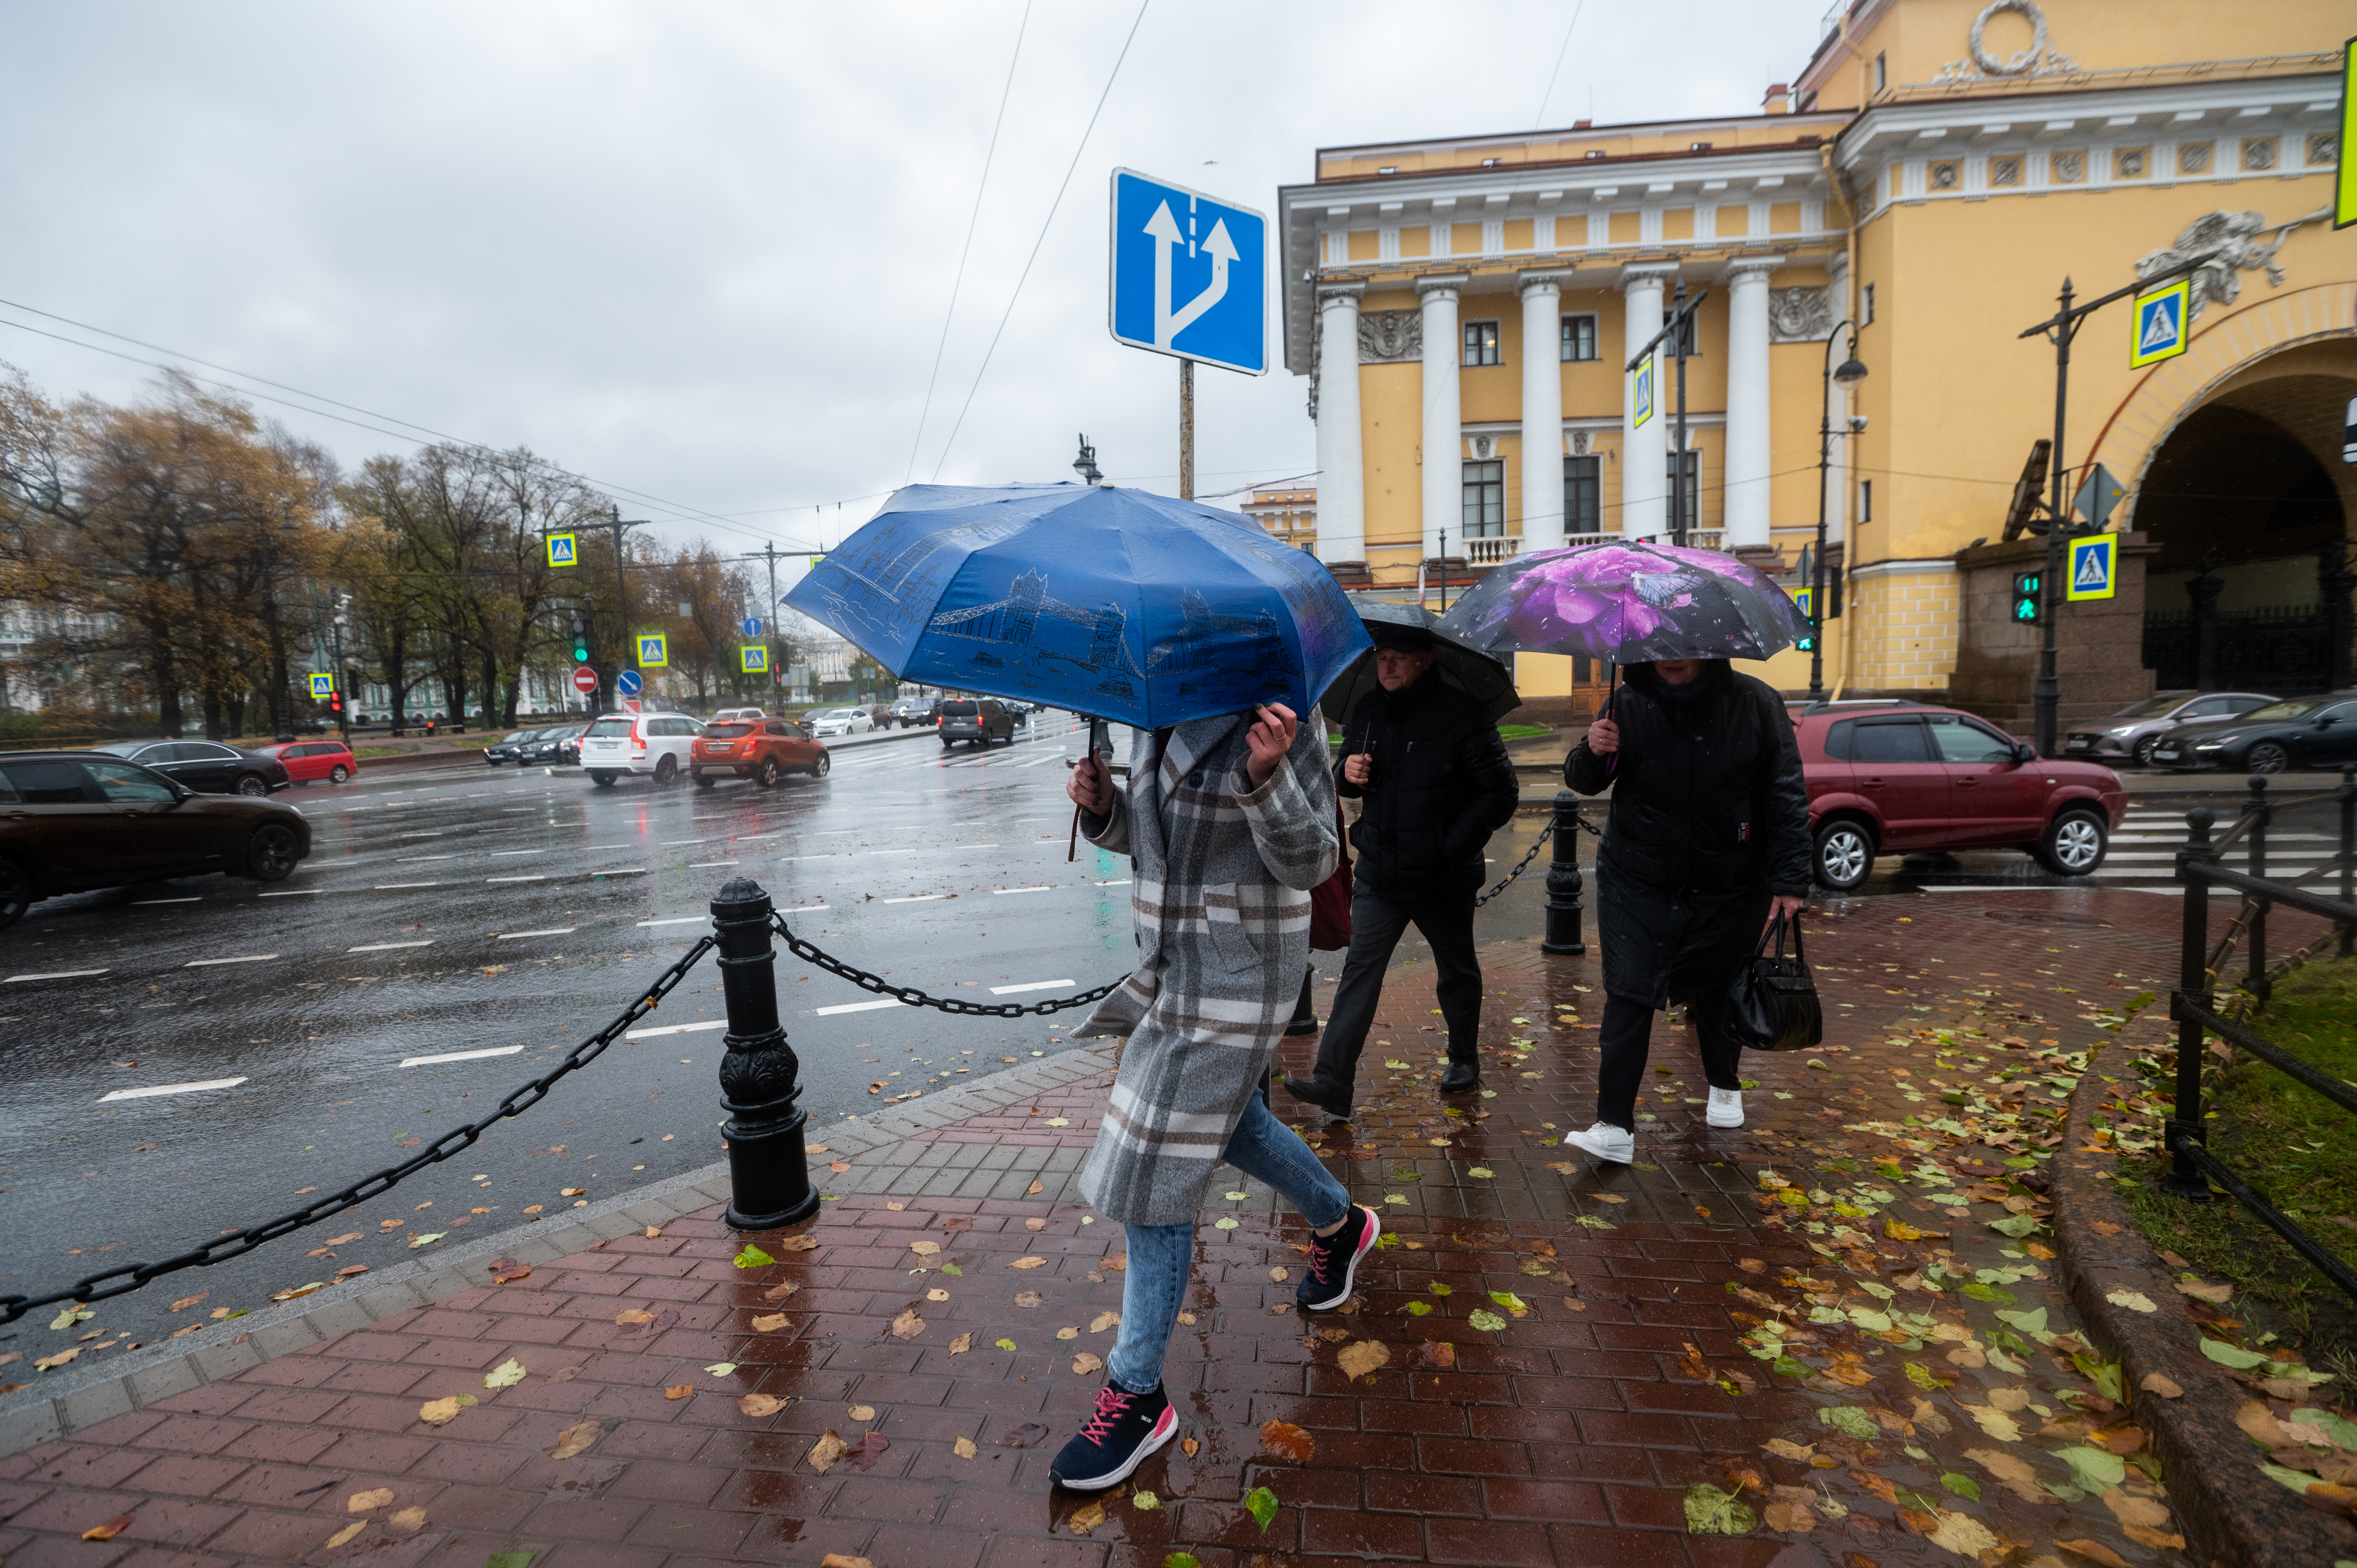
(1462, 308)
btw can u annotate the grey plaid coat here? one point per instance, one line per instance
(1221, 896)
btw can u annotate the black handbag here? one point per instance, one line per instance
(1773, 1005)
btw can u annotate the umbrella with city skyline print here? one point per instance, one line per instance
(1115, 603)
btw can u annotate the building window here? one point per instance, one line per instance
(1578, 337)
(1881, 73)
(1491, 163)
(1480, 343)
(1866, 500)
(1485, 499)
(1583, 495)
(1688, 502)
(1865, 305)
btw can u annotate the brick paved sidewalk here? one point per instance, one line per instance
(1550, 1361)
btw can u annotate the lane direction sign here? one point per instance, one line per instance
(1190, 274)
(628, 683)
(752, 626)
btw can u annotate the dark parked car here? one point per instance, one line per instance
(513, 748)
(1917, 780)
(2135, 730)
(206, 766)
(72, 821)
(979, 720)
(913, 711)
(547, 747)
(2298, 732)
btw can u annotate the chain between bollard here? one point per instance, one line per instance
(1522, 865)
(913, 998)
(122, 1281)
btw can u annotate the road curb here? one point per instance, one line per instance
(2232, 1514)
(66, 1403)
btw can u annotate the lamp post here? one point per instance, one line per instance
(343, 707)
(281, 722)
(1848, 374)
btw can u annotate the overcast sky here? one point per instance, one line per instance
(705, 250)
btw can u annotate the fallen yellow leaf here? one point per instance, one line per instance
(907, 1326)
(965, 1448)
(826, 1451)
(362, 1502)
(761, 1404)
(679, 1391)
(770, 1324)
(406, 1519)
(345, 1533)
(577, 1439)
(962, 1344)
(1028, 1263)
(1360, 1359)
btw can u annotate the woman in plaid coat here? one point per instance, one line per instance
(1230, 822)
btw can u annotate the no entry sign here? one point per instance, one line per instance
(585, 680)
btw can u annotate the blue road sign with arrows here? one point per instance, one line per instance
(1190, 274)
(629, 683)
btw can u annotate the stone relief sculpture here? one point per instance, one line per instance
(2038, 59)
(2235, 237)
(1800, 315)
(1387, 337)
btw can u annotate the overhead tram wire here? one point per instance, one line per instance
(1538, 118)
(983, 369)
(681, 511)
(974, 218)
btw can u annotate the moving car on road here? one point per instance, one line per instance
(2298, 732)
(731, 715)
(511, 748)
(654, 743)
(912, 711)
(206, 766)
(764, 751)
(73, 821)
(840, 721)
(309, 761)
(2135, 730)
(548, 746)
(978, 720)
(1912, 779)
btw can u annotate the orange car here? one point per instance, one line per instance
(764, 751)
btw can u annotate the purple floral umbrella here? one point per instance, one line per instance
(1630, 604)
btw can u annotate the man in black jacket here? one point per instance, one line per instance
(1709, 841)
(1436, 783)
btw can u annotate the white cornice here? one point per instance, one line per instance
(2180, 111)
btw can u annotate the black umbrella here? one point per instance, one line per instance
(1482, 679)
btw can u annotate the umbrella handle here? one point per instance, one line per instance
(1611, 701)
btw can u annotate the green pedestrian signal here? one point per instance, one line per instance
(580, 640)
(2029, 598)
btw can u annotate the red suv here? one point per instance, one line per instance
(1908, 779)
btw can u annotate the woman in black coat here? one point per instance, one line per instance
(1707, 842)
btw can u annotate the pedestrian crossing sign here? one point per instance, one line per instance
(2094, 566)
(323, 685)
(654, 651)
(561, 551)
(753, 658)
(1640, 391)
(2161, 324)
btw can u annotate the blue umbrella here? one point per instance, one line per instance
(1112, 602)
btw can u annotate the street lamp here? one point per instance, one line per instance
(1086, 463)
(1847, 374)
(283, 722)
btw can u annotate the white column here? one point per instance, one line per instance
(1644, 450)
(1747, 405)
(1837, 449)
(1541, 476)
(1342, 473)
(1444, 471)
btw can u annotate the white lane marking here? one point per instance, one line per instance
(388, 947)
(392, 887)
(991, 845)
(249, 958)
(681, 921)
(515, 936)
(594, 848)
(170, 1089)
(676, 1029)
(191, 898)
(499, 853)
(802, 909)
(1969, 888)
(872, 854)
(54, 975)
(805, 857)
(421, 833)
(707, 864)
(294, 893)
(853, 1008)
(624, 871)
(675, 844)
(1123, 883)
(1030, 985)
(515, 878)
(462, 1056)
(1042, 887)
(420, 859)
(919, 898)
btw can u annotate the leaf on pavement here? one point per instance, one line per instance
(2093, 1469)
(406, 1519)
(839, 1560)
(1792, 1518)
(1033, 1262)
(1850, 1419)
(192, 1300)
(1005, 1344)
(1963, 1534)
(1142, 1498)
(867, 1450)
(779, 1290)
(1287, 1441)
(792, 1244)
(365, 1502)
(679, 1391)
(965, 1448)
(1103, 1321)
(2162, 1384)
(2093, 1552)
(577, 1439)
(427, 1239)
(504, 1276)
(1085, 1363)
(924, 1249)
(2013, 1474)
(506, 1375)
(962, 1344)
(1085, 1517)
(2216, 1295)
(826, 1451)
(1361, 1359)
(1995, 1421)
(1487, 1322)
(1023, 1436)
(1188, 1446)
(631, 1315)
(2148, 1513)
(345, 1533)
(770, 1323)
(1261, 1503)
(907, 1326)
(1710, 1511)
(1785, 1448)
(2135, 1301)
(721, 1369)
(761, 1404)
(752, 1257)
(442, 1412)
(1035, 1223)
(1434, 1355)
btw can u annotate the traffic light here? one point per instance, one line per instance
(580, 640)
(2029, 598)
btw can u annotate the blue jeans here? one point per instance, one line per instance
(1155, 1286)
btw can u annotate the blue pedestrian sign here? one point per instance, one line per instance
(2160, 323)
(627, 683)
(1640, 391)
(2094, 566)
(1190, 274)
(752, 626)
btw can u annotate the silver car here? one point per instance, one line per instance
(2135, 730)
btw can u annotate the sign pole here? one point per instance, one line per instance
(1185, 430)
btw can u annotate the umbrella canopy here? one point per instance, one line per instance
(1112, 602)
(1485, 681)
(1630, 603)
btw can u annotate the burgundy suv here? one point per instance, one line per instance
(1908, 779)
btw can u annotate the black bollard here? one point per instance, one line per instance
(769, 1173)
(1564, 881)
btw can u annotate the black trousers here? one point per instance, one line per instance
(1625, 1038)
(1377, 923)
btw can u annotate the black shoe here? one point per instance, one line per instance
(1303, 1024)
(1331, 1098)
(1334, 1260)
(1116, 1439)
(1461, 1075)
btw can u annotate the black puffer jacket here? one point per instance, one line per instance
(1710, 818)
(1441, 786)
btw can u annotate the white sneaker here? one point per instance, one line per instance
(1726, 1108)
(1615, 1145)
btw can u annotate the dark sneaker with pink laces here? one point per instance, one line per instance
(1334, 1259)
(1116, 1439)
